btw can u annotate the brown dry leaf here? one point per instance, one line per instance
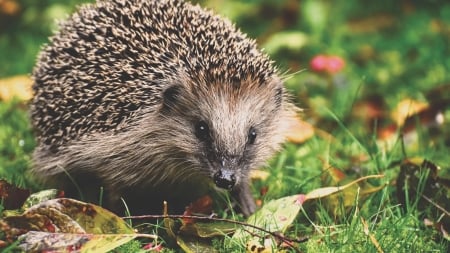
(432, 115)
(12, 197)
(16, 86)
(299, 131)
(409, 114)
(387, 132)
(371, 107)
(9, 7)
(406, 108)
(336, 174)
(202, 205)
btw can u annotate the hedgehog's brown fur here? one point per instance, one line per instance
(120, 92)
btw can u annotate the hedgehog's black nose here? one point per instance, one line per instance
(225, 179)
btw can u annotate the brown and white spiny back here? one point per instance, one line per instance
(149, 98)
(111, 60)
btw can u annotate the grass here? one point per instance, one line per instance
(17, 143)
(392, 52)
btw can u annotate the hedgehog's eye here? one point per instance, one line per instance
(251, 135)
(202, 130)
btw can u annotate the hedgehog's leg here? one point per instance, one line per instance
(244, 196)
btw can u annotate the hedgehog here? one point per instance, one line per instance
(153, 100)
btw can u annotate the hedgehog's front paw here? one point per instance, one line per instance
(245, 199)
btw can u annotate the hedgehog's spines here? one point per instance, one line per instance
(120, 48)
(121, 86)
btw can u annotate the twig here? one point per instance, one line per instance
(286, 239)
(436, 205)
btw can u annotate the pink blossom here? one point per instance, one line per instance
(319, 63)
(335, 64)
(329, 64)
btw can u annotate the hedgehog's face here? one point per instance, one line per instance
(232, 129)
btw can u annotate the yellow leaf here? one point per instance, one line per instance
(405, 108)
(254, 246)
(259, 174)
(327, 191)
(275, 215)
(108, 242)
(299, 131)
(16, 86)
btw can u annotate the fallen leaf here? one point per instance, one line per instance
(37, 241)
(12, 197)
(70, 219)
(299, 131)
(371, 109)
(41, 196)
(406, 108)
(387, 132)
(275, 215)
(9, 7)
(327, 191)
(259, 174)
(193, 245)
(196, 236)
(429, 116)
(92, 218)
(254, 246)
(269, 245)
(202, 205)
(16, 86)
(207, 229)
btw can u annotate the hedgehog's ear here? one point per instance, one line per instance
(170, 97)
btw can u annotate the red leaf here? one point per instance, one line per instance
(202, 205)
(12, 197)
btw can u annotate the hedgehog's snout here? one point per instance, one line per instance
(225, 179)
